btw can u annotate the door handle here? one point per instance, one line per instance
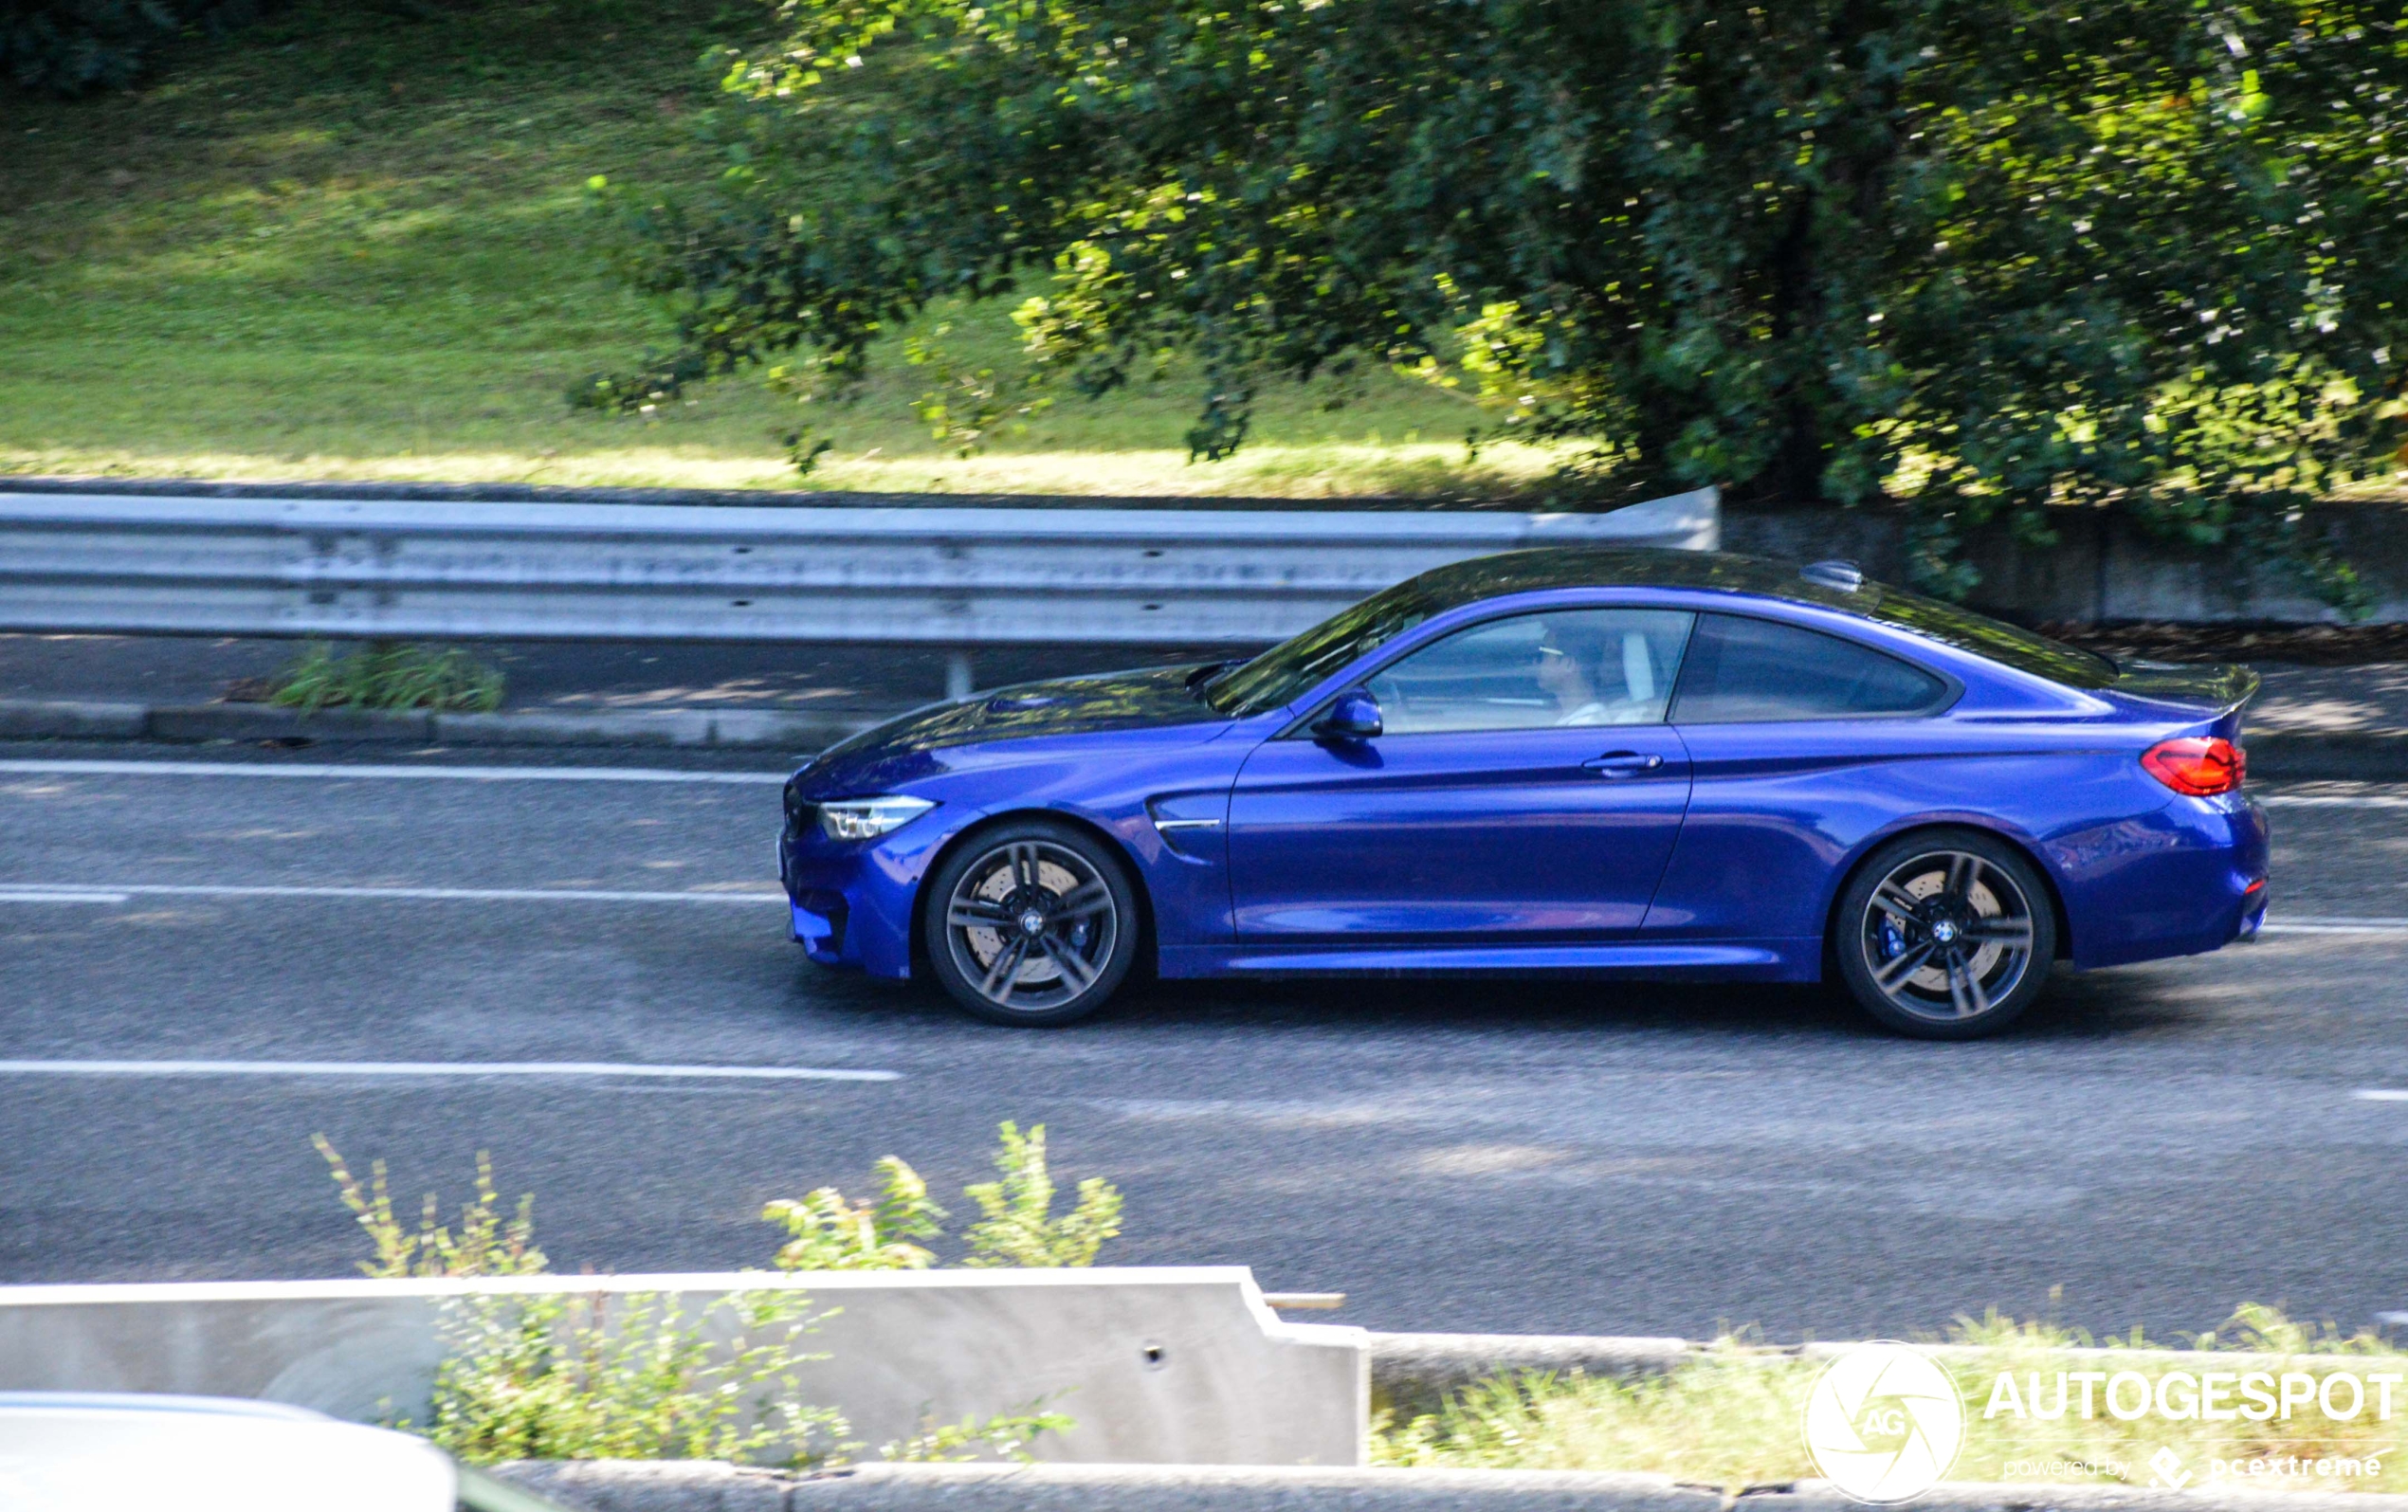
(1622, 764)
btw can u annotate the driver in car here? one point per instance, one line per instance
(1597, 676)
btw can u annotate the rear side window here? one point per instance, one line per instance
(1747, 670)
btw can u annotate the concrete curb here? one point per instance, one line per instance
(629, 1486)
(606, 1485)
(726, 729)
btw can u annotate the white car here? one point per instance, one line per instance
(79, 1452)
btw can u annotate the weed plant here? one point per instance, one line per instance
(1018, 1226)
(487, 1242)
(636, 1375)
(629, 1377)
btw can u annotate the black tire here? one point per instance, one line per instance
(1031, 923)
(1945, 934)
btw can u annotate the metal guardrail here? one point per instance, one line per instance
(487, 571)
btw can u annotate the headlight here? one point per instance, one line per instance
(868, 818)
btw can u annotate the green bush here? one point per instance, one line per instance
(1018, 1228)
(628, 1376)
(633, 1374)
(829, 1233)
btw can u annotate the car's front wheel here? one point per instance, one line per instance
(1946, 934)
(1031, 923)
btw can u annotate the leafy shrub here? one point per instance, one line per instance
(1018, 1228)
(628, 1376)
(388, 675)
(832, 1234)
(634, 1376)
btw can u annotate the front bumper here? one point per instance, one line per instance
(851, 901)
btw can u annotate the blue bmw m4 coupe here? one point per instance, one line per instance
(1640, 763)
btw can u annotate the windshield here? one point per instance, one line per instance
(1283, 674)
(1995, 639)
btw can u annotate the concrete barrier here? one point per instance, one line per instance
(607, 1486)
(1169, 1366)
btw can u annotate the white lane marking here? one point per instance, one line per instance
(11, 895)
(2334, 800)
(721, 1073)
(2383, 1094)
(331, 770)
(113, 892)
(2335, 926)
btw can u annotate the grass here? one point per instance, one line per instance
(1733, 1418)
(388, 675)
(352, 243)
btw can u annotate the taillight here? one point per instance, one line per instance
(2201, 768)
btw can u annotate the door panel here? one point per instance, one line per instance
(1476, 837)
(1801, 744)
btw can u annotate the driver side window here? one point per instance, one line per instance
(1564, 667)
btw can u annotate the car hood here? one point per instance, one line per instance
(1151, 698)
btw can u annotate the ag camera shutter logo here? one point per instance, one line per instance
(1884, 1422)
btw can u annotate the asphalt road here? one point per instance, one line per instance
(2155, 1144)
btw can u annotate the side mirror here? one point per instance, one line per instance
(1354, 717)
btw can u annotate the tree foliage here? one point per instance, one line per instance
(1983, 257)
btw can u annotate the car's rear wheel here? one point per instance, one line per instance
(1031, 923)
(1945, 934)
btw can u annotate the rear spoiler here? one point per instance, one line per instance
(2215, 689)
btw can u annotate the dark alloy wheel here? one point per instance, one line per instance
(1945, 934)
(1031, 923)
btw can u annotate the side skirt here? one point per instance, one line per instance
(1749, 960)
